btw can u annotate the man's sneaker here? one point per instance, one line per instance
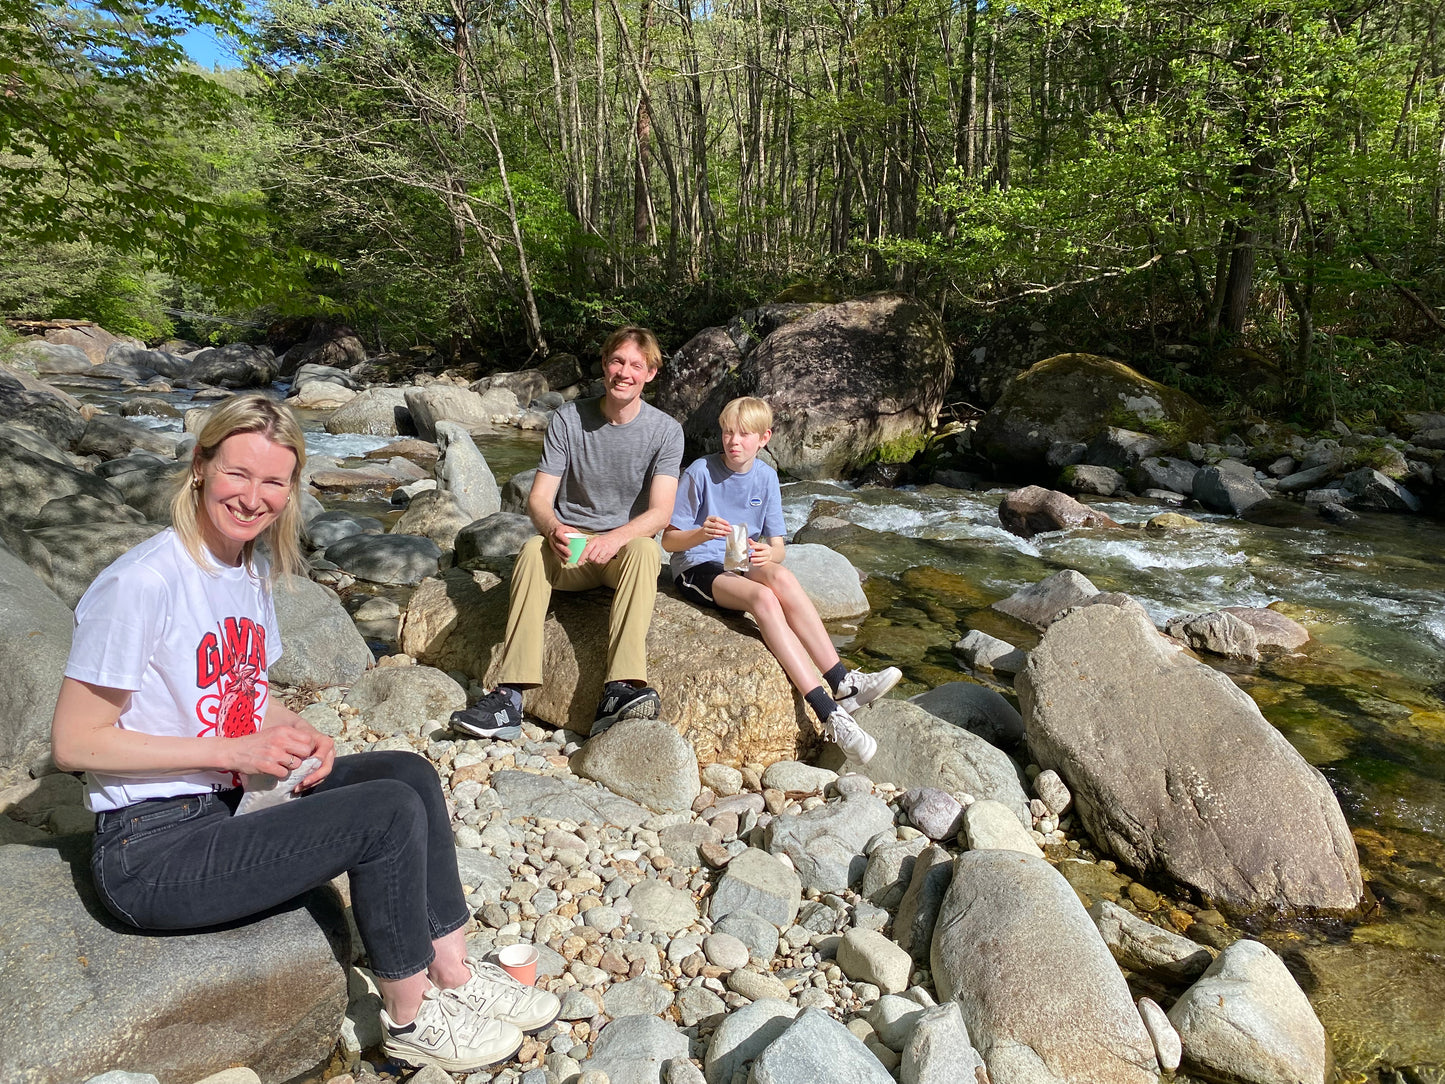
(493, 716)
(857, 745)
(448, 1034)
(621, 700)
(495, 994)
(860, 687)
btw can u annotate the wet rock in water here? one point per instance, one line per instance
(444, 402)
(975, 708)
(1199, 787)
(984, 652)
(1170, 521)
(917, 749)
(35, 631)
(918, 910)
(633, 1049)
(386, 559)
(829, 580)
(335, 525)
(1042, 998)
(1094, 480)
(502, 534)
(939, 1050)
(1033, 510)
(1164, 472)
(743, 1035)
(462, 470)
(118, 998)
(814, 1040)
(1041, 603)
(1141, 946)
(1217, 633)
(1229, 486)
(380, 412)
(826, 844)
(759, 884)
(1271, 628)
(1246, 1019)
(322, 645)
(645, 760)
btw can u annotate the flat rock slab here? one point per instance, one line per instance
(523, 794)
(1198, 786)
(81, 993)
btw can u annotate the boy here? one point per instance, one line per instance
(733, 487)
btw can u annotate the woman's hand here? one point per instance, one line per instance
(272, 750)
(312, 743)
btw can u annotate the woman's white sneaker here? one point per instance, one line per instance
(857, 744)
(448, 1034)
(493, 993)
(860, 687)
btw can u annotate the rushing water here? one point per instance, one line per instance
(1364, 701)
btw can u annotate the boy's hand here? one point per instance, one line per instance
(759, 552)
(716, 527)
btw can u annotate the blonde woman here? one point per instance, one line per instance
(164, 706)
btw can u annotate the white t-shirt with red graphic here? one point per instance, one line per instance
(191, 646)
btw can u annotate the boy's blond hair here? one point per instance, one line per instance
(746, 415)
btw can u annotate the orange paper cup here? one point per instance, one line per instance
(520, 961)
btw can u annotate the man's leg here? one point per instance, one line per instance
(538, 570)
(632, 575)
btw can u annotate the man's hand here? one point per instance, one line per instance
(603, 547)
(557, 539)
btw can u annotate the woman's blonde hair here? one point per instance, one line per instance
(250, 413)
(747, 415)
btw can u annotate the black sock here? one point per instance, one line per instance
(835, 674)
(822, 704)
(514, 694)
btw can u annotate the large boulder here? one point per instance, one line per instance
(48, 358)
(379, 412)
(80, 553)
(828, 579)
(405, 699)
(386, 558)
(50, 415)
(35, 628)
(645, 760)
(1041, 996)
(111, 437)
(1174, 770)
(684, 382)
(146, 484)
(1072, 398)
(445, 402)
(462, 470)
(916, 749)
(812, 1041)
(82, 993)
(320, 643)
(850, 384)
(720, 687)
(977, 709)
(92, 339)
(1034, 509)
(435, 514)
(235, 365)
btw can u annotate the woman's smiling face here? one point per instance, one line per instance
(243, 490)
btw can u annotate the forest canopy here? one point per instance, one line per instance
(510, 176)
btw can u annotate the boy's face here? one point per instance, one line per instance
(625, 373)
(740, 447)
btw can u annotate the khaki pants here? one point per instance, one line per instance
(632, 575)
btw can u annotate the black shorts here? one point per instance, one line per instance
(695, 584)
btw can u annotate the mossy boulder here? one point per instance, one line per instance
(1074, 397)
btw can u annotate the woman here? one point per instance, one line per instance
(165, 707)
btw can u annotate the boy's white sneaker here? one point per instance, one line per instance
(860, 688)
(857, 744)
(448, 1034)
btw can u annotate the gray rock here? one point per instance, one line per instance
(1034, 510)
(483, 873)
(812, 1041)
(235, 365)
(991, 825)
(1167, 1046)
(462, 471)
(890, 868)
(725, 950)
(1052, 792)
(1271, 629)
(388, 558)
(320, 641)
(893, 1018)
(380, 412)
(82, 993)
(79, 509)
(1309, 478)
(399, 699)
(1121, 449)
(918, 749)
(681, 841)
(743, 1035)
(333, 526)
(642, 996)
(145, 483)
(660, 908)
(1091, 479)
(1147, 949)
(682, 1071)
(502, 534)
(1041, 603)
(111, 437)
(79, 554)
(1217, 633)
(756, 985)
(977, 709)
(754, 931)
(756, 882)
(984, 652)
(1371, 489)
(1165, 472)
(633, 1049)
(1228, 487)
(826, 844)
(1199, 787)
(35, 629)
(28, 481)
(1041, 997)
(868, 956)
(437, 403)
(517, 491)
(645, 760)
(698, 1003)
(935, 813)
(831, 582)
(120, 1076)
(791, 776)
(47, 358)
(435, 514)
(1247, 1019)
(939, 1050)
(918, 910)
(523, 794)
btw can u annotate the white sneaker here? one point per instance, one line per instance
(860, 688)
(857, 744)
(448, 1034)
(495, 994)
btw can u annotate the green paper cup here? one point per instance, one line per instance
(576, 543)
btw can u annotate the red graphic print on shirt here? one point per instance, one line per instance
(232, 661)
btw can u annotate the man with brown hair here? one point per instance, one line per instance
(609, 474)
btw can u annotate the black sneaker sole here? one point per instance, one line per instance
(647, 706)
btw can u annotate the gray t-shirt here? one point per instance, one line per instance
(605, 470)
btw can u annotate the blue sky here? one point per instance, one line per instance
(206, 49)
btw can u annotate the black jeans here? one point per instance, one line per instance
(183, 863)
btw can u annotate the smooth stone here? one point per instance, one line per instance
(645, 760)
(939, 1050)
(812, 1041)
(725, 950)
(868, 956)
(918, 910)
(755, 984)
(636, 997)
(633, 1049)
(35, 631)
(890, 868)
(992, 825)
(697, 1003)
(743, 1035)
(984, 652)
(723, 779)
(795, 777)
(826, 844)
(682, 1071)
(395, 699)
(935, 813)
(660, 908)
(1167, 1046)
(893, 1019)
(1040, 603)
(1052, 791)
(524, 794)
(756, 882)
(757, 933)
(829, 580)
(387, 559)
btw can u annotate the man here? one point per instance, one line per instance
(609, 472)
